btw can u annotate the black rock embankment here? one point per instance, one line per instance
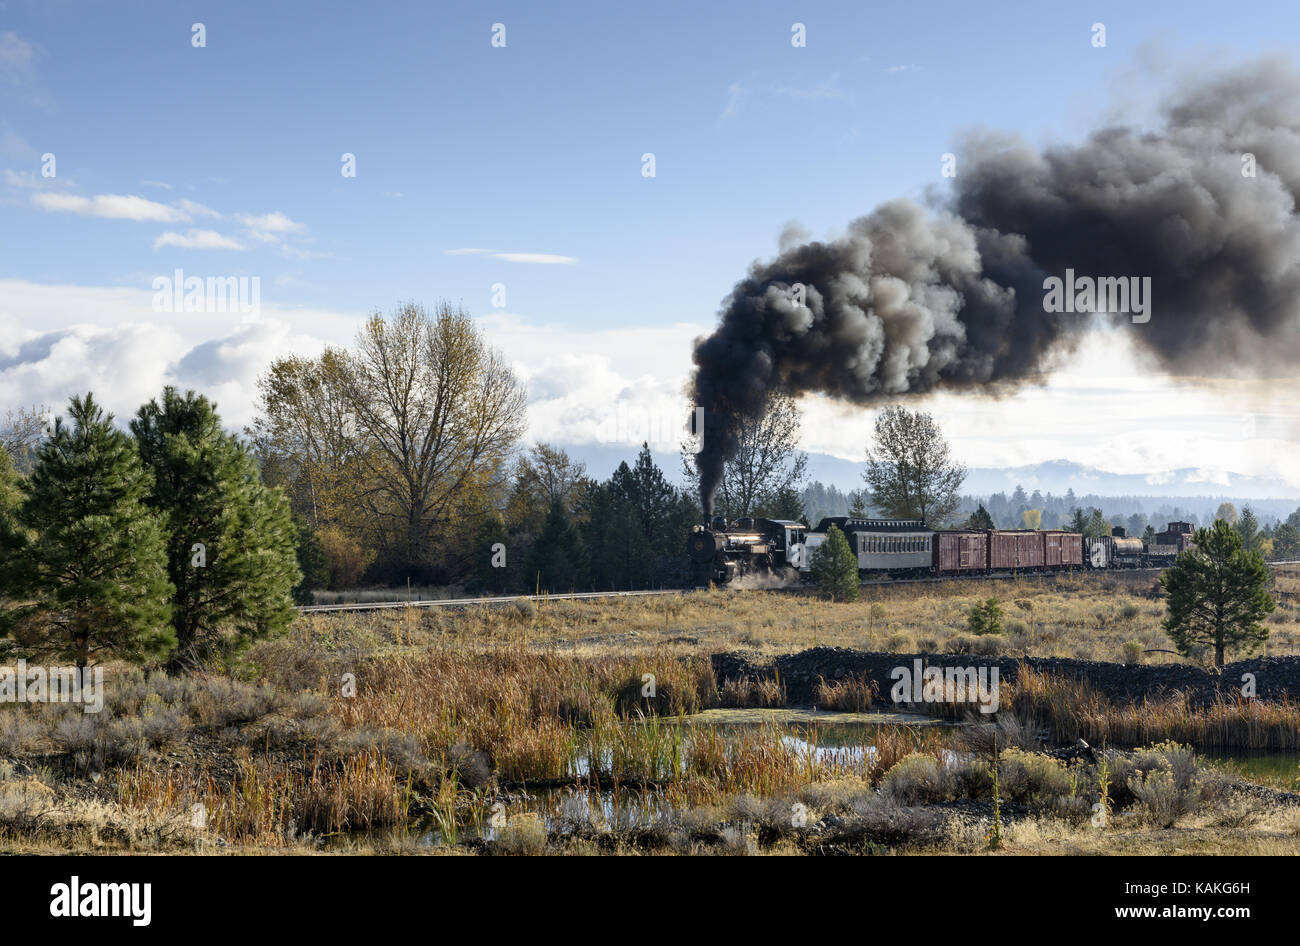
(1274, 677)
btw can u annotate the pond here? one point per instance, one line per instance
(1279, 770)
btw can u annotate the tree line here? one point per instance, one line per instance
(159, 545)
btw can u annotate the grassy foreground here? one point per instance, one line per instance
(1085, 615)
(377, 732)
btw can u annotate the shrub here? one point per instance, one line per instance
(851, 695)
(918, 779)
(962, 644)
(523, 834)
(835, 568)
(985, 618)
(1033, 779)
(1132, 652)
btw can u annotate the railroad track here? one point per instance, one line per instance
(585, 595)
(464, 602)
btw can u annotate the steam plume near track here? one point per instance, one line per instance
(911, 301)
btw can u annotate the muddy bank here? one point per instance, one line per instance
(1275, 677)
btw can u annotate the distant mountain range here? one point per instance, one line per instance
(1054, 476)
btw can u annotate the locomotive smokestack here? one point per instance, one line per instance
(911, 301)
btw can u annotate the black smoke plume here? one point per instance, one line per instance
(911, 301)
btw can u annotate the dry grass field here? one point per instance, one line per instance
(375, 732)
(1087, 616)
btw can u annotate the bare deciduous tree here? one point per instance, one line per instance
(910, 473)
(767, 462)
(440, 412)
(398, 436)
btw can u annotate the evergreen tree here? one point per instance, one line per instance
(1286, 542)
(1149, 535)
(980, 519)
(1218, 594)
(1247, 527)
(1097, 527)
(312, 562)
(231, 542)
(635, 526)
(1079, 522)
(557, 562)
(491, 563)
(835, 568)
(83, 552)
(985, 618)
(784, 503)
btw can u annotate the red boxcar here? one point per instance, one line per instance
(1015, 550)
(956, 552)
(1062, 549)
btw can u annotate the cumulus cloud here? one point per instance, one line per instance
(197, 240)
(272, 223)
(111, 206)
(619, 386)
(546, 259)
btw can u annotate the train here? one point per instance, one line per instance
(721, 552)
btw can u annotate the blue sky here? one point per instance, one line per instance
(531, 149)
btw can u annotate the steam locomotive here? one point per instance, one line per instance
(721, 552)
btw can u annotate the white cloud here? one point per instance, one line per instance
(111, 206)
(195, 209)
(270, 223)
(622, 385)
(197, 240)
(547, 259)
(18, 77)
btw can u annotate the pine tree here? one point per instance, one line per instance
(784, 503)
(834, 567)
(83, 552)
(1078, 523)
(1218, 594)
(231, 542)
(491, 564)
(557, 562)
(1286, 542)
(985, 618)
(1247, 527)
(1097, 527)
(980, 519)
(312, 562)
